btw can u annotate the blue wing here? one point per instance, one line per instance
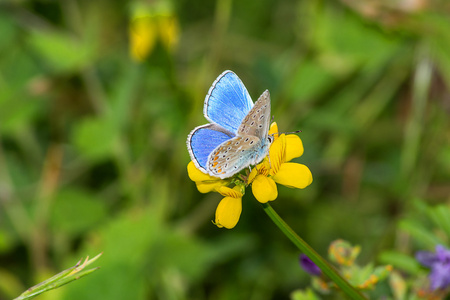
(203, 140)
(227, 102)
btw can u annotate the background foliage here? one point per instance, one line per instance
(93, 128)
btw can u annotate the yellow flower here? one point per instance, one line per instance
(143, 34)
(204, 182)
(273, 169)
(150, 22)
(229, 209)
(169, 31)
(277, 169)
(295, 145)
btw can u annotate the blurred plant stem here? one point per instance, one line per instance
(47, 188)
(221, 20)
(326, 268)
(415, 123)
(222, 17)
(12, 206)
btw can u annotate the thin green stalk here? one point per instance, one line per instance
(415, 124)
(326, 268)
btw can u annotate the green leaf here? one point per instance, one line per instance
(354, 40)
(62, 51)
(440, 215)
(400, 261)
(309, 81)
(95, 138)
(76, 211)
(17, 112)
(60, 279)
(304, 295)
(7, 31)
(421, 235)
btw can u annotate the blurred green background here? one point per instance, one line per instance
(97, 99)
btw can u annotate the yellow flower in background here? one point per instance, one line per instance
(229, 209)
(277, 169)
(343, 253)
(169, 31)
(150, 22)
(143, 34)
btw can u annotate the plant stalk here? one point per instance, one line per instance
(326, 268)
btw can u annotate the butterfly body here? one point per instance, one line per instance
(237, 136)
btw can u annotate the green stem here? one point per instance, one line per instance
(326, 268)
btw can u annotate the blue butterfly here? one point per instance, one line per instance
(237, 136)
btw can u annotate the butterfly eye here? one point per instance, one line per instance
(270, 138)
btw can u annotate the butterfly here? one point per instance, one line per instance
(237, 135)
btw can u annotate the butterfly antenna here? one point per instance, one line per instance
(290, 132)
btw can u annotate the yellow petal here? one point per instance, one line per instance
(206, 187)
(264, 189)
(143, 33)
(230, 192)
(274, 130)
(293, 175)
(228, 212)
(197, 175)
(169, 31)
(263, 168)
(252, 175)
(277, 153)
(204, 182)
(294, 147)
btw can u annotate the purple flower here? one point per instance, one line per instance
(307, 264)
(439, 263)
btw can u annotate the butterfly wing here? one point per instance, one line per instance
(227, 102)
(232, 156)
(203, 140)
(257, 121)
